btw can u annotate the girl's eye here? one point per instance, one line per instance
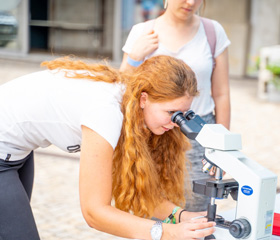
(171, 112)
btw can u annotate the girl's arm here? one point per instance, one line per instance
(124, 65)
(220, 90)
(95, 186)
(96, 193)
(166, 208)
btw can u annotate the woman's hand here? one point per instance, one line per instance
(193, 216)
(144, 46)
(191, 230)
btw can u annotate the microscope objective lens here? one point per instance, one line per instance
(206, 166)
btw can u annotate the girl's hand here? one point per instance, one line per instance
(144, 46)
(190, 216)
(191, 230)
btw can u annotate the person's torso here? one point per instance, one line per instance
(196, 53)
(46, 108)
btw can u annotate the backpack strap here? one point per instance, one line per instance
(211, 36)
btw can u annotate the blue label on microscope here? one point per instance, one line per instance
(247, 190)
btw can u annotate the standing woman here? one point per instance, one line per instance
(180, 33)
(130, 150)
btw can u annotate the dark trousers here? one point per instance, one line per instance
(16, 182)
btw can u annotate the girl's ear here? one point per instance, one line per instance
(143, 99)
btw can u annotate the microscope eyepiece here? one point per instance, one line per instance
(177, 117)
(189, 115)
(189, 123)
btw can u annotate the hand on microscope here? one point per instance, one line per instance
(193, 225)
(189, 230)
(192, 216)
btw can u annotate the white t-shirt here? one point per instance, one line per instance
(45, 108)
(196, 53)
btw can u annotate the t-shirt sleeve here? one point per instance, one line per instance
(135, 33)
(222, 41)
(106, 121)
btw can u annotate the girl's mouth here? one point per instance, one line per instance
(166, 129)
(187, 9)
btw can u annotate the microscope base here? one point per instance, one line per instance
(223, 234)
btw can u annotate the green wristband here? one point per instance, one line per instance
(171, 218)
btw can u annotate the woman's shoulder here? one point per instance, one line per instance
(219, 29)
(216, 24)
(144, 25)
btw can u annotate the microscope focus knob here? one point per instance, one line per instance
(240, 228)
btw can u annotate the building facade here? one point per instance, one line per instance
(98, 28)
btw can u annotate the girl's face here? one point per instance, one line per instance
(183, 8)
(157, 116)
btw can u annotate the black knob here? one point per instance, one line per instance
(240, 228)
(211, 237)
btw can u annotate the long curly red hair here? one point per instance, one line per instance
(147, 168)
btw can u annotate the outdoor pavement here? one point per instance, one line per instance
(55, 199)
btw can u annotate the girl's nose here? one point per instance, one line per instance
(191, 2)
(174, 124)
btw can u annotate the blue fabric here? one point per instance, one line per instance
(133, 63)
(148, 5)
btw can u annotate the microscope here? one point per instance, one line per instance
(252, 186)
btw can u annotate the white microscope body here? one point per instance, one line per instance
(256, 185)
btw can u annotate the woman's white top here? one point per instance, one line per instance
(195, 53)
(45, 108)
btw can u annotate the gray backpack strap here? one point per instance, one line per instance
(211, 36)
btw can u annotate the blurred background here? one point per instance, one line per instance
(32, 31)
(99, 28)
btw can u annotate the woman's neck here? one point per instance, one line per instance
(172, 20)
(174, 32)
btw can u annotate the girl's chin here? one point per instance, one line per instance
(159, 131)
